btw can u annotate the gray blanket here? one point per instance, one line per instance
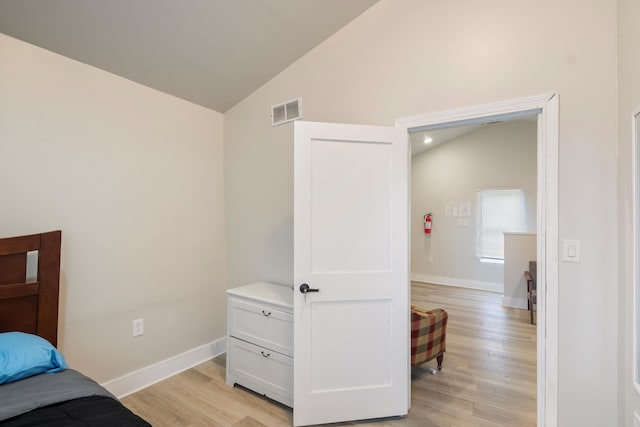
(45, 389)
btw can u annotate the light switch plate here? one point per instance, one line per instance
(571, 251)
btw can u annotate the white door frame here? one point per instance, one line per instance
(635, 173)
(547, 228)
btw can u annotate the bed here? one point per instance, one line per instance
(36, 386)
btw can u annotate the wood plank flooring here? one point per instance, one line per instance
(488, 376)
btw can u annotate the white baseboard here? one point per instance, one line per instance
(462, 283)
(515, 302)
(149, 375)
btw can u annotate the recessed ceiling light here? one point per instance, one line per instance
(428, 140)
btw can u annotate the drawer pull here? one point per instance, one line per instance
(265, 354)
(266, 313)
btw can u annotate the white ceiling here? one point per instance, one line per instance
(446, 134)
(438, 136)
(210, 52)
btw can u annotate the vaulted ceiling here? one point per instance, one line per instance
(210, 52)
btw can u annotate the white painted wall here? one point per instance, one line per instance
(403, 58)
(496, 156)
(519, 250)
(134, 179)
(628, 100)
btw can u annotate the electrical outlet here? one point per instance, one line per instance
(430, 259)
(138, 327)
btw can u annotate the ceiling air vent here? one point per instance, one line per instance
(286, 112)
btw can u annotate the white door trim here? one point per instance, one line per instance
(547, 229)
(636, 247)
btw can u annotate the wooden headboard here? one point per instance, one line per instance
(30, 307)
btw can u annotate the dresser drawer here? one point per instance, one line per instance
(262, 324)
(262, 370)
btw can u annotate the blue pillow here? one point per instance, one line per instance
(23, 355)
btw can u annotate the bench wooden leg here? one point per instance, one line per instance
(440, 359)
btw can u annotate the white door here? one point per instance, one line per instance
(351, 337)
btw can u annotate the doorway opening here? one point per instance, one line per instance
(545, 108)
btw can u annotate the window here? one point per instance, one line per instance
(500, 211)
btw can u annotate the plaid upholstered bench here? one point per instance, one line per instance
(428, 334)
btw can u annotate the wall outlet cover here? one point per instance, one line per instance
(138, 327)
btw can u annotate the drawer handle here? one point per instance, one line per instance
(265, 354)
(266, 313)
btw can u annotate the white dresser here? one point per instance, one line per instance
(260, 339)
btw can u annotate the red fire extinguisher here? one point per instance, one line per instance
(427, 223)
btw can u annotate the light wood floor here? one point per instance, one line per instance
(488, 376)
